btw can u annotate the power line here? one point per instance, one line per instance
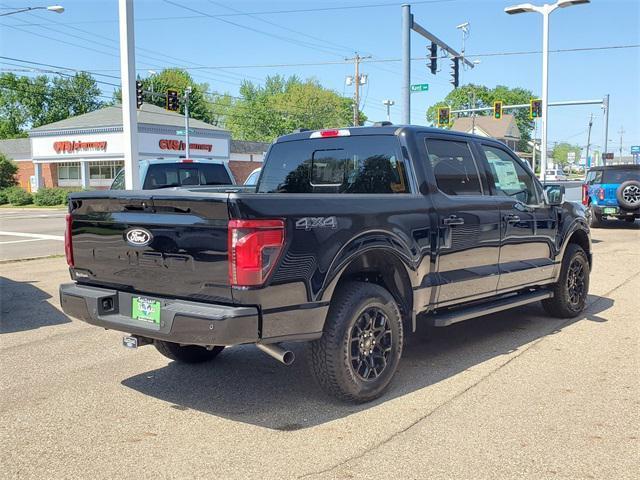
(264, 12)
(389, 60)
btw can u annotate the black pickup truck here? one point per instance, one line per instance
(350, 239)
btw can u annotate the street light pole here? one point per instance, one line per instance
(545, 10)
(51, 8)
(187, 91)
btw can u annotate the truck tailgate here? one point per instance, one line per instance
(172, 243)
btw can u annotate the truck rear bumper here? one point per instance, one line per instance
(192, 323)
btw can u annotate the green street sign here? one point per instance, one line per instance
(420, 87)
(184, 132)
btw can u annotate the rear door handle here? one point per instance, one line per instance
(453, 220)
(511, 217)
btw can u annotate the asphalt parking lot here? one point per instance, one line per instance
(31, 233)
(511, 395)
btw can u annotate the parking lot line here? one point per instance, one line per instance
(23, 241)
(39, 236)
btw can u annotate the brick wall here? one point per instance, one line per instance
(241, 170)
(26, 169)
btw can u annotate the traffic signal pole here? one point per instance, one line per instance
(527, 105)
(406, 64)
(409, 24)
(128, 81)
(187, 91)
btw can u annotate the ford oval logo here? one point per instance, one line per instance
(139, 237)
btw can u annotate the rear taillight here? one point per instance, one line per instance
(68, 245)
(254, 249)
(600, 194)
(585, 194)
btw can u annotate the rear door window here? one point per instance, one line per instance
(453, 167)
(358, 164)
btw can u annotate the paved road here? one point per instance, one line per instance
(30, 233)
(513, 395)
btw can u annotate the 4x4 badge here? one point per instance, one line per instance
(309, 223)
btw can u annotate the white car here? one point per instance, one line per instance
(556, 175)
(252, 179)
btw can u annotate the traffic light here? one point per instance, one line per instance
(444, 116)
(433, 58)
(172, 100)
(535, 109)
(497, 110)
(455, 71)
(138, 93)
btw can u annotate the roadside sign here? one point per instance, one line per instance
(420, 87)
(571, 157)
(183, 132)
(635, 149)
(607, 156)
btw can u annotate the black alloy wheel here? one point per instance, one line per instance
(371, 342)
(576, 282)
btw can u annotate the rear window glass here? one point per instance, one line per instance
(371, 164)
(184, 174)
(620, 175)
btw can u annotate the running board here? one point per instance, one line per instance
(448, 318)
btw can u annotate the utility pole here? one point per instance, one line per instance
(128, 80)
(587, 162)
(187, 91)
(605, 107)
(473, 114)
(357, 80)
(388, 103)
(621, 132)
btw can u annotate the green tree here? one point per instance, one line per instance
(463, 97)
(8, 170)
(283, 104)
(30, 102)
(561, 151)
(203, 104)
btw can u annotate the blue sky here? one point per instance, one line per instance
(85, 37)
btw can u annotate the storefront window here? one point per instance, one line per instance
(69, 171)
(104, 170)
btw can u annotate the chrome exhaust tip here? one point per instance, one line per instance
(276, 351)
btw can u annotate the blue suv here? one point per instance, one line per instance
(612, 191)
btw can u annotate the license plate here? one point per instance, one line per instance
(610, 210)
(146, 310)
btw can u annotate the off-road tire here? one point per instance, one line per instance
(595, 220)
(331, 355)
(186, 353)
(560, 305)
(628, 194)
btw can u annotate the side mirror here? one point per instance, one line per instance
(554, 194)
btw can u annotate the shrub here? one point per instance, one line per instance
(8, 170)
(50, 197)
(3, 196)
(18, 196)
(46, 197)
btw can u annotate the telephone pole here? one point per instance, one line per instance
(388, 103)
(587, 162)
(621, 132)
(357, 81)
